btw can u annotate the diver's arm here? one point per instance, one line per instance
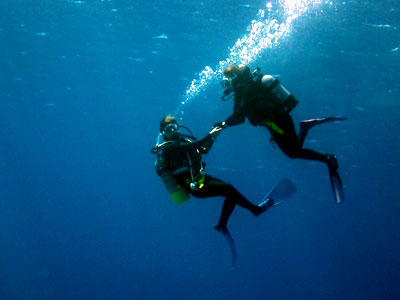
(186, 146)
(236, 118)
(239, 115)
(206, 147)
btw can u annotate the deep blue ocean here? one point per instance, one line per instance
(83, 214)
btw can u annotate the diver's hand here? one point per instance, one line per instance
(221, 125)
(212, 135)
(215, 132)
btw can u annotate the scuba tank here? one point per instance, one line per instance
(279, 93)
(177, 193)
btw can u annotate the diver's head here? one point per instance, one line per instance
(169, 128)
(234, 76)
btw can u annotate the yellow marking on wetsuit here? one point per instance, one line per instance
(273, 126)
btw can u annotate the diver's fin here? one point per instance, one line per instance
(280, 192)
(230, 241)
(308, 124)
(336, 182)
(337, 186)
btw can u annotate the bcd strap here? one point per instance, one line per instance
(274, 84)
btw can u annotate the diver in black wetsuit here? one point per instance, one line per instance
(181, 156)
(265, 102)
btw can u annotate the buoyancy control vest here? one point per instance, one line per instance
(179, 173)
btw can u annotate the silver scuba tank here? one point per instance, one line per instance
(280, 94)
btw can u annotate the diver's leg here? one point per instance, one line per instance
(312, 155)
(284, 132)
(330, 161)
(227, 210)
(289, 142)
(302, 134)
(290, 146)
(214, 187)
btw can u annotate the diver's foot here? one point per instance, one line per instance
(263, 206)
(332, 162)
(221, 228)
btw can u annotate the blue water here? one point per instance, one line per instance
(83, 215)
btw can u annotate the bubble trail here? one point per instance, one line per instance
(264, 32)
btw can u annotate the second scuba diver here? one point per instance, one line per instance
(180, 156)
(180, 166)
(265, 102)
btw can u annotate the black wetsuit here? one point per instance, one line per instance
(252, 100)
(176, 155)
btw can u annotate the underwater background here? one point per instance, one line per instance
(83, 86)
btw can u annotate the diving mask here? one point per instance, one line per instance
(226, 83)
(170, 130)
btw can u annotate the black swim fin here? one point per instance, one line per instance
(337, 186)
(230, 241)
(334, 177)
(308, 124)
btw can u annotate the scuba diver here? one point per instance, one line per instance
(265, 102)
(180, 166)
(180, 155)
